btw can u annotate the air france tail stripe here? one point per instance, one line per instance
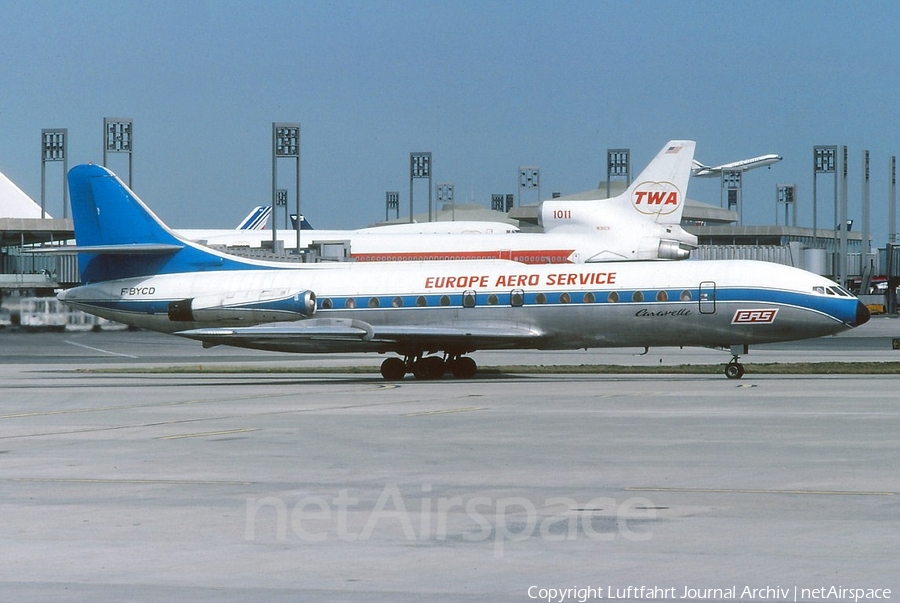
(257, 219)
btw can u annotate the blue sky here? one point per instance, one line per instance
(485, 86)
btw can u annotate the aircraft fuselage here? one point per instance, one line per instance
(658, 303)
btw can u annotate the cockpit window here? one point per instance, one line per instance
(835, 290)
(843, 292)
(839, 291)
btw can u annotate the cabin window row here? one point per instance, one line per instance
(515, 298)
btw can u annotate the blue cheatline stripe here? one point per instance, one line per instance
(832, 306)
(835, 307)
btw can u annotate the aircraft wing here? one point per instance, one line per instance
(355, 335)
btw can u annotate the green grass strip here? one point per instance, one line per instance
(763, 368)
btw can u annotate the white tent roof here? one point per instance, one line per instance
(14, 203)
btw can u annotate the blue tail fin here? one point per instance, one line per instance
(118, 236)
(304, 223)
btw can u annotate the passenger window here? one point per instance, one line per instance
(589, 297)
(637, 296)
(517, 298)
(564, 298)
(421, 301)
(540, 298)
(686, 295)
(327, 304)
(397, 302)
(373, 302)
(468, 299)
(445, 301)
(662, 296)
(350, 303)
(613, 297)
(493, 300)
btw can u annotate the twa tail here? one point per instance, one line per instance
(660, 190)
(649, 211)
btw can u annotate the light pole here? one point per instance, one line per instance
(285, 145)
(419, 167)
(118, 134)
(53, 148)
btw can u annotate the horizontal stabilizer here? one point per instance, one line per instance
(126, 249)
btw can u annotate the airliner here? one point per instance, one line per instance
(706, 171)
(429, 316)
(643, 223)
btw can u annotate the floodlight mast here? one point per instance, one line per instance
(53, 148)
(618, 165)
(824, 161)
(285, 145)
(419, 167)
(391, 201)
(445, 194)
(118, 137)
(529, 179)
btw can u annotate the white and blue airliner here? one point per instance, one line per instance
(429, 316)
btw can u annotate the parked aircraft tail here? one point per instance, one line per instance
(648, 212)
(304, 223)
(696, 166)
(117, 236)
(256, 219)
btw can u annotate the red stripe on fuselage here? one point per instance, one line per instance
(542, 256)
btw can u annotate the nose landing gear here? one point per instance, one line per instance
(734, 369)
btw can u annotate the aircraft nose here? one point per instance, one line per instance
(862, 314)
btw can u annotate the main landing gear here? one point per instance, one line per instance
(428, 367)
(734, 369)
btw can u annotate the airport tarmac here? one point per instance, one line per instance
(341, 487)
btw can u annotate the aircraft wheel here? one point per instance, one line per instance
(393, 369)
(734, 370)
(431, 367)
(463, 368)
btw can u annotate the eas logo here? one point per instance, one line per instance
(656, 198)
(759, 317)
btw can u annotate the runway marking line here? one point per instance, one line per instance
(102, 351)
(168, 482)
(443, 412)
(207, 434)
(763, 491)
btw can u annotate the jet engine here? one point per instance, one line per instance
(245, 307)
(673, 250)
